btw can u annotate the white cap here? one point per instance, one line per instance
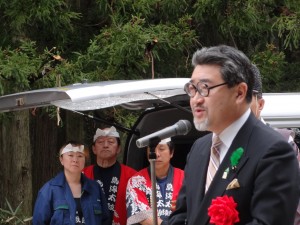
(165, 141)
(71, 148)
(107, 132)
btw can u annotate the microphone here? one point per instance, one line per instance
(182, 127)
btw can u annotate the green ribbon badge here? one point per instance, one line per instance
(234, 161)
(235, 157)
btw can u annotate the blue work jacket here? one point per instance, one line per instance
(55, 203)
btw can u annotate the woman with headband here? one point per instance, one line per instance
(70, 197)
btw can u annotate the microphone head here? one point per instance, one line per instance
(184, 127)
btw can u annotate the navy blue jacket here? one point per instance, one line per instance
(55, 203)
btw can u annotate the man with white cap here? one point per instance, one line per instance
(168, 183)
(109, 173)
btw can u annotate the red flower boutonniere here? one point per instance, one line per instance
(222, 211)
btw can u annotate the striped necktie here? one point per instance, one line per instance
(214, 161)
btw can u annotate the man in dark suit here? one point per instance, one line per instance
(257, 105)
(257, 179)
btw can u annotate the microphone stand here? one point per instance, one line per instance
(153, 142)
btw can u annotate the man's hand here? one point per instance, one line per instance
(173, 205)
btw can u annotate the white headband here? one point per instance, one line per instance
(71, 148)
(107, 132)
(165, 141)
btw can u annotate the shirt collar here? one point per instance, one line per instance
(229, 133)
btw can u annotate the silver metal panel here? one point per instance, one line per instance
(282, 109)
(94, 95)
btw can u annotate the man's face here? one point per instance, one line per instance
(216, 111)
(106, 148)
(163, 156)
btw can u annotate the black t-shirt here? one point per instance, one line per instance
(109, 180)
(79, 219)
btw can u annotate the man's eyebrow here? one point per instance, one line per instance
(201, 80)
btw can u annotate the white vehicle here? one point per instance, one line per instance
(163, 102)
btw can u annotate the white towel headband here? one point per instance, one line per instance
(107, 132)
(165, 141)
(71, 148)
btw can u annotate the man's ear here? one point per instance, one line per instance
(60, 159)
(261, 104)
(241, 92)
(172, 153)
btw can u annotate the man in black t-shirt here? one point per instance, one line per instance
(109, 173)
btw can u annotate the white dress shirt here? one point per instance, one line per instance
(229, 133)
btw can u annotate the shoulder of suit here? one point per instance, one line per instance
(286, 133)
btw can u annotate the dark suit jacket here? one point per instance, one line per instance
(267, 172)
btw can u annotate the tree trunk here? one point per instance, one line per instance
(74, 126)
(46, 138)
(16, 165)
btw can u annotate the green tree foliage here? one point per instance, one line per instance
(16, 65)
(104, 40)
(271, 61)
(135, 42)
(253, 26)
(47, 22)
(287, 25)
